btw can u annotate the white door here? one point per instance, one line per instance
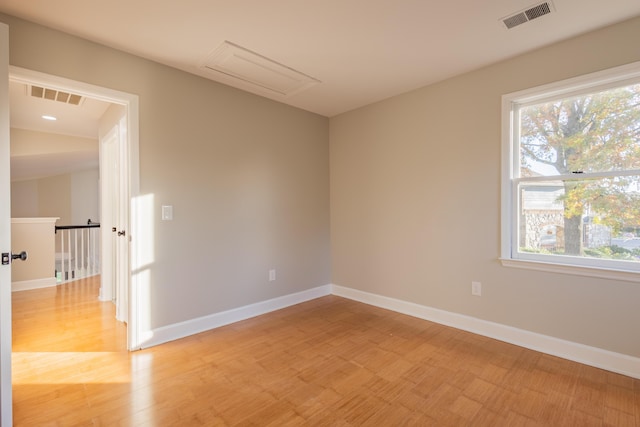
(114, 218)
(6, 415)
(121, 211)
(108, 228)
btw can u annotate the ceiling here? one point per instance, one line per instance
(360, 51)
(76, 120)
(59, 155)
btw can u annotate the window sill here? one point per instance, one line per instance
(601, 273)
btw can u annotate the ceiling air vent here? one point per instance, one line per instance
(528, 15)
(54, 95)
(245, 66)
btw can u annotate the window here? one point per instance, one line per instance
(571, 176)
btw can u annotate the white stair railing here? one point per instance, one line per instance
(79, 251)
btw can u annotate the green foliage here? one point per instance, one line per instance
(589, 133)
(603, 252)
(613, 252)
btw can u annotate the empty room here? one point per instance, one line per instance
(321, 213)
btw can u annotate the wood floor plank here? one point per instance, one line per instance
(327, 362)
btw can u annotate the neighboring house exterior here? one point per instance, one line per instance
(542, 222)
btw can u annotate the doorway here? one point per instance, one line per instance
(121, 119)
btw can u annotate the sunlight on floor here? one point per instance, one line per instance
(71, 361)
(70, 368)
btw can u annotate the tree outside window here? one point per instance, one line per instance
(575, 173)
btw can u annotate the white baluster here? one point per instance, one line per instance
(94, 242)
(62, 260)
(69, 270)
(89, 251)
(76, 255)
(92, 261)
(83, 264)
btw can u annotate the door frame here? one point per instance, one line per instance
(130, 102)
(6, 411)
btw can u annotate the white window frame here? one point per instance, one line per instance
(510, 256)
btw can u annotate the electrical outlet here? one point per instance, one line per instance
(476, 288)
(272, 275)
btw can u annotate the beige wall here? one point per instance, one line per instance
(24, 199)
(248, 178)
(32, 143)
(415, 202)
(85, 193)
(36, 237)
(54, 198)
(72, 197)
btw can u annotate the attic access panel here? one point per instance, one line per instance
(249, 67)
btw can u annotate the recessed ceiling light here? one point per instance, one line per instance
(49, 118)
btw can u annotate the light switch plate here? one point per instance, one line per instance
(476, 288)
(167, 213)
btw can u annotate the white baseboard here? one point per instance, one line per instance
(592, 356)
(27, 285)
(191, 327)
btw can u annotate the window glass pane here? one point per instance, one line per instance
(595, 218)
(596, 132)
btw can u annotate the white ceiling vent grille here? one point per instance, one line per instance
(245, 66)
(54, 95)
(528, 15)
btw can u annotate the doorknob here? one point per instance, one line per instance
(21, 256)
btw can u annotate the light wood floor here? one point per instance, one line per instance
(328, 362)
